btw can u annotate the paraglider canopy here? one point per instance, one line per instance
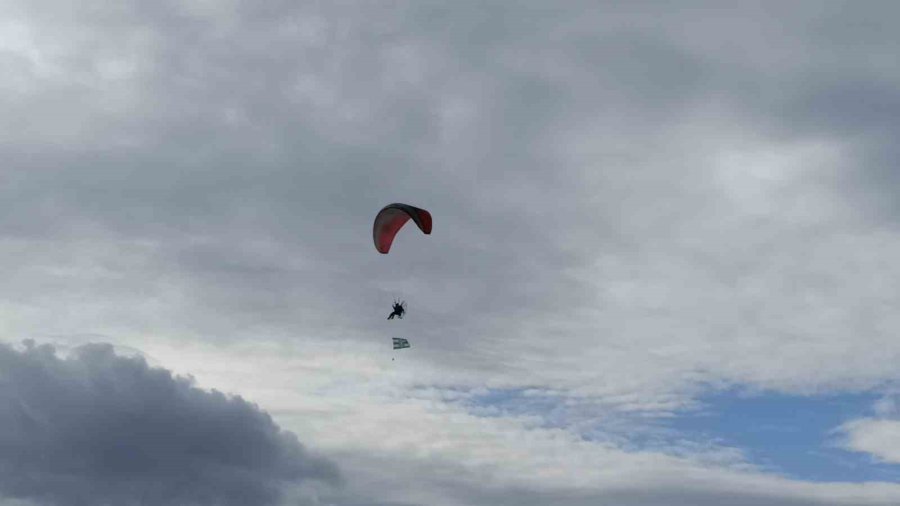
(391, 219)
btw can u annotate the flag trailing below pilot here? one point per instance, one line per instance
(400, 343)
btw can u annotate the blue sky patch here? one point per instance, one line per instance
(790, 435)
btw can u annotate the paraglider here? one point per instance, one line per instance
(388, 222)
(391, 219)
(399, 309)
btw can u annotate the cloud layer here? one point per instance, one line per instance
(635, 205)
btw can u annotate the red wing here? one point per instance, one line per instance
(391, 219)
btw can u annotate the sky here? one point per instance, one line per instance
(662, 272)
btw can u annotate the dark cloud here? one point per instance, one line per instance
(96, 428)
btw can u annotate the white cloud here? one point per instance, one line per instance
(878, 437)
(365, 411)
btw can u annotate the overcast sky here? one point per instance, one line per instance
(663, 269)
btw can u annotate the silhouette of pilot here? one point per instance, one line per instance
(398, 310)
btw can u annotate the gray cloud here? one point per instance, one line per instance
(97, 428)
(241, 152)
